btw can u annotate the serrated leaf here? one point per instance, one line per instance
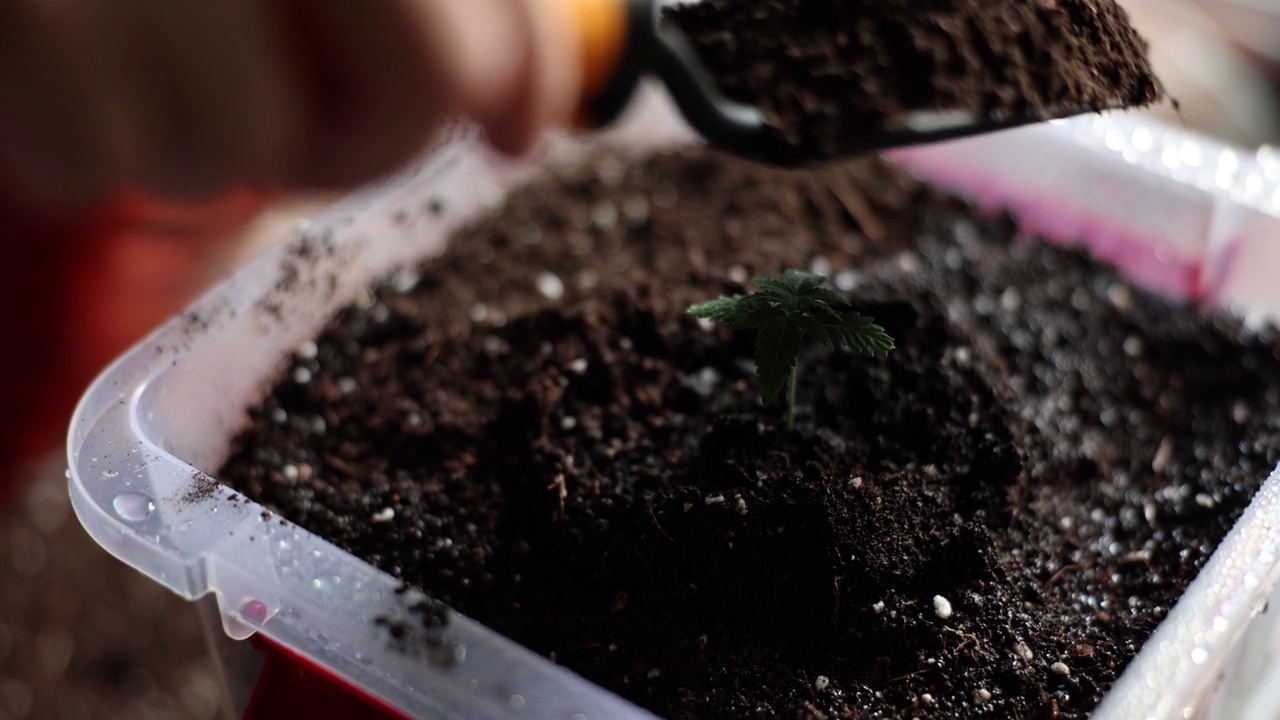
(739, 312)
(802, 282)
(860, 334)
(756, 311)
(813, 328)
(822, 298)
(773, 286)
(777, 349)
(721, 310)
(793, 284)
(788, 312)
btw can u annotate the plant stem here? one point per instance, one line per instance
(791, 397)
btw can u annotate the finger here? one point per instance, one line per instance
(482, 49)
(527, 86)
(548, 86)
(373, 93)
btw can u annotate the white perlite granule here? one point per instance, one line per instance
(941, 607)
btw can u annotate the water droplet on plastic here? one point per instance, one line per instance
(1199, 656)
(133, 506)
(110, 473)
(254, 612)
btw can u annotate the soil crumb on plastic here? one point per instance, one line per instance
(202, 488)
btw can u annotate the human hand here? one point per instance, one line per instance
(1218, 59)
(186, 99)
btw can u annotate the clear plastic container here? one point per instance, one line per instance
(1178, 213)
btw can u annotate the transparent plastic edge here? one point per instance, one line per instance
(106, 437)
(1178, 670)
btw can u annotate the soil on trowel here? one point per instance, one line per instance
(831, 75)
(988, 522)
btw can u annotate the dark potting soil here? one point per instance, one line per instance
(989, 522)
(829, 74)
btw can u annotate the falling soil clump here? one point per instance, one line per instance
(830, 75)
(530, 429)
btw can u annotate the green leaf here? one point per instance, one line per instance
(803, 282)
(860, 334)
(756, 311)
(721, 310)
(773, 286)
(740, 312)
(812, 327)
(788, 312)
(791, 286)
(777, 349)
(822, 299)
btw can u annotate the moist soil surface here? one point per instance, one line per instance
(832, 74)
(989, 522)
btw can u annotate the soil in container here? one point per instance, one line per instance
(989, 522)
(830, 73)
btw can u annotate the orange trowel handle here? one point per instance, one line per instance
(605, 32)
(622, 41)
(600, 28)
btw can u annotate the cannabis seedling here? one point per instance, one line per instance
(788, 313)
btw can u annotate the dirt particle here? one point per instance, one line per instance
(550, 286)
(1023, 651)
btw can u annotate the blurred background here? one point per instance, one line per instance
(83, 637)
